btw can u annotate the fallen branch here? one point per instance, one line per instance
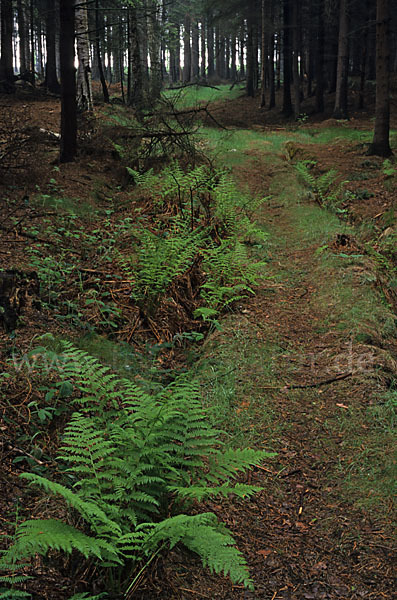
(186, 85)
(319, 383)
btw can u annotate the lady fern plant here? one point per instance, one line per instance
(160, 258)
(125, 455)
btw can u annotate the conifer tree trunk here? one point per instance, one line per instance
(135, 75)
(22, 32)
(84, 75)
(364, 55)
(340, 108)
(98, 53)
(32, 54)
(40, 58)
(210, 49)
(233, 56)
(287, 102)
(178, 54)
(142, 29)
(250, 87)
(217, 52)
(278, 64)
(68, 83)
(295, 59)
(320, 58)
(154, 43)
(203, 68)
(272, 87)
(6, 59)
(187, 51)
(255, 51)
(380, 144)
(242, 45)
(227, 58)
(263, 51)
(195, 51)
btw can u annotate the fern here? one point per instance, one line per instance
(125, 452)
(230, 274)
(12, 594)
(160, 259)
(205, 536)
(323, 187)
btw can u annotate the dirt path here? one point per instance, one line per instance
(304, 536)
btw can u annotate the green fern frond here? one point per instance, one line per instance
(204, 535)
(41, 535)
(200, 493)
(13, 594)
(88, 510)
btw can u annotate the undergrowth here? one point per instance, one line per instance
(126, 457)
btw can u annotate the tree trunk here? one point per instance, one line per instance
(287, 102)
(187, 52)
(263, 62)
(380, 144)
(255, 50)
(84, 76)
(227, 58)
(272, 87)
(68, 83)
(154, 43)
(6, 63)
(195, 51)
(250, 87)
(364, 55)
(51, 78)
(233, 57)
(340, 108)
(178, 54)
(203, 69)
(242, 45)
(295, 59)
(217, 53)
(40, 62)
(22, 32)
(98, 53)
(210, 50)
(135, 75)
(320, 58)
(32, 63)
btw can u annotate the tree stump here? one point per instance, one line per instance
(17, 290)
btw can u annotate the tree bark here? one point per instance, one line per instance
(187, 52)
(135, 75)
(287, 102)
(203, 69)
(380, 144)
(233, 55)
(68, 83)
(320, 58)
(23, 42)
(242, 44)
(195, 51)
(340, 108)
(210, 49)
(250, 87)
(154, 43)
(84, 75)
(295, 59)
(263, 52)
(98, 53)
(272, 86)
(6, 58)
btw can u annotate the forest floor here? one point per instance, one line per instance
(305, 368)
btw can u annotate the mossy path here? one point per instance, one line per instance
(303, 370)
